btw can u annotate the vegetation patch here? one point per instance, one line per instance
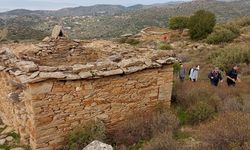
(179, 22)
(201, 24)
(165, 46)
(231, 54)
(143, 127)
(227, 131)
(223, 33)
(200, 112)
(128, 40)
(81, 136)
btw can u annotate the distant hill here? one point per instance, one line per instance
(108, 21)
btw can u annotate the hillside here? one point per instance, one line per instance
(108, 21)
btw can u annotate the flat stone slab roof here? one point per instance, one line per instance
(66, 59)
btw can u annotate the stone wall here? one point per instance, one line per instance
(52, 108)
(14, 109)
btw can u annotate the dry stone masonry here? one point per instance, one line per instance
(60, 83)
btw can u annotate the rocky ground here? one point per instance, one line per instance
(10, 140)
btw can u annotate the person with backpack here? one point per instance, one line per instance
(215, 77)
(182, 73)
(194, 73)
(189, 72)
(232, 76)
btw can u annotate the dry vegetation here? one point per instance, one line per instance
(228, 131)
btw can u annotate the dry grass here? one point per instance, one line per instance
(143, 127)
(163, 141)
(200, 101)
(227, 131)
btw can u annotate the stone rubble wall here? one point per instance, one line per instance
(29, 71)
(14, 109)
(59, 106)
(48, 91)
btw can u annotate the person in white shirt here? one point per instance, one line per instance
(194, 72)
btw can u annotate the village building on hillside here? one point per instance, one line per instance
(58, 84)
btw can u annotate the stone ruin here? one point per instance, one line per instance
(58, 84)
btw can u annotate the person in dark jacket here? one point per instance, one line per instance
(215, 77)
(182, 73)
(232, 76)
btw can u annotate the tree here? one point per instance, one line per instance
(178, 22)
(201, 24)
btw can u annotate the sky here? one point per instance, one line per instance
(57, 4)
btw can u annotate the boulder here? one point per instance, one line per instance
(27, 66)
(2, 141)
(97, 145)
(185, 32)
(9, 138)
(57, 32)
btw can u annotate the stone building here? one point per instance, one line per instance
(49, 88)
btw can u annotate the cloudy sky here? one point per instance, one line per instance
(57, 4)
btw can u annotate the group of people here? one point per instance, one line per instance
(214, 76)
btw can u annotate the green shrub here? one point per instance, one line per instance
(128, 40)
(232, 27)
(220, 36)
(165, 46)
(223, 33)
(122, 40)
(196, 102)
(179, 22)
(201, 24)
(132, 41)
(182, 115)
(81, 136)
(232, 54)
(15, 136)
(137, 146)
(200, 112)
(5, 146)
(177, 67)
